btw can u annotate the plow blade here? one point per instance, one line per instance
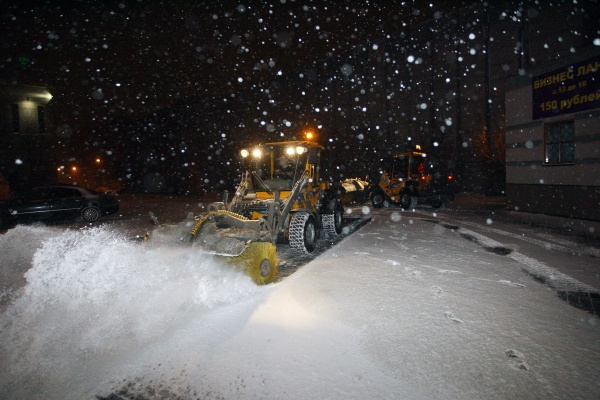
(233, 240)
(259, 261)
(229, 238)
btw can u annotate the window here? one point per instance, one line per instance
(15, 118)
(41, 121)
(61, 193)
(559, 143)
(37, 194)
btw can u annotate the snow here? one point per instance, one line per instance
(403, 308)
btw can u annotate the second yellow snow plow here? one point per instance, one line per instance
(406, 180)
(280, 199)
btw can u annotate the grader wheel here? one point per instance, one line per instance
(406, 201)
(378, 199)
(303, 233)
(332, 223)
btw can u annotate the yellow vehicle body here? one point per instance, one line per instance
(282, 187)
(406, 180)
(280, 196)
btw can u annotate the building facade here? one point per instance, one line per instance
(553, 138)
(27, 156)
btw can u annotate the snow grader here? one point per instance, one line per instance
(407, 181)
(280, 199)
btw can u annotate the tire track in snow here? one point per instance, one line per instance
(590, 251)
(569, 289)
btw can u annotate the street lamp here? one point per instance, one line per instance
(99, 172)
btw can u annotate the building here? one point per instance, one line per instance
(27, 156)
(553, 138)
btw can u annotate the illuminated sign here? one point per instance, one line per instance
(566, 90)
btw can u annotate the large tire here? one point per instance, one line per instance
(378, 199)
(413, 202)
(303, 233)
(333, 223)
(405, 200)
(90, 214)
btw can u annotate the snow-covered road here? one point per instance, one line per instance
(414, 305)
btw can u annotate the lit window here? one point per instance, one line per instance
(559, 143)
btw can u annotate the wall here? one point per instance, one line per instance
(27, 149)
(570, 189)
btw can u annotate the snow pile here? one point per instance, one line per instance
(17, 247)
(94, 294)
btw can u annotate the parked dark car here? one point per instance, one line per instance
(57, 203)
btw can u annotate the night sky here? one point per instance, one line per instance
(143, 83)
(106, 60)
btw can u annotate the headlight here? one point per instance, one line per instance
(245, 153)
(290, 151)
(256, 153)
(300, 150)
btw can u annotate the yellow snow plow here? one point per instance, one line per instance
(280, 199)
(407, 179)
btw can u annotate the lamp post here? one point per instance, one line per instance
(74, 173)
(99, 172)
